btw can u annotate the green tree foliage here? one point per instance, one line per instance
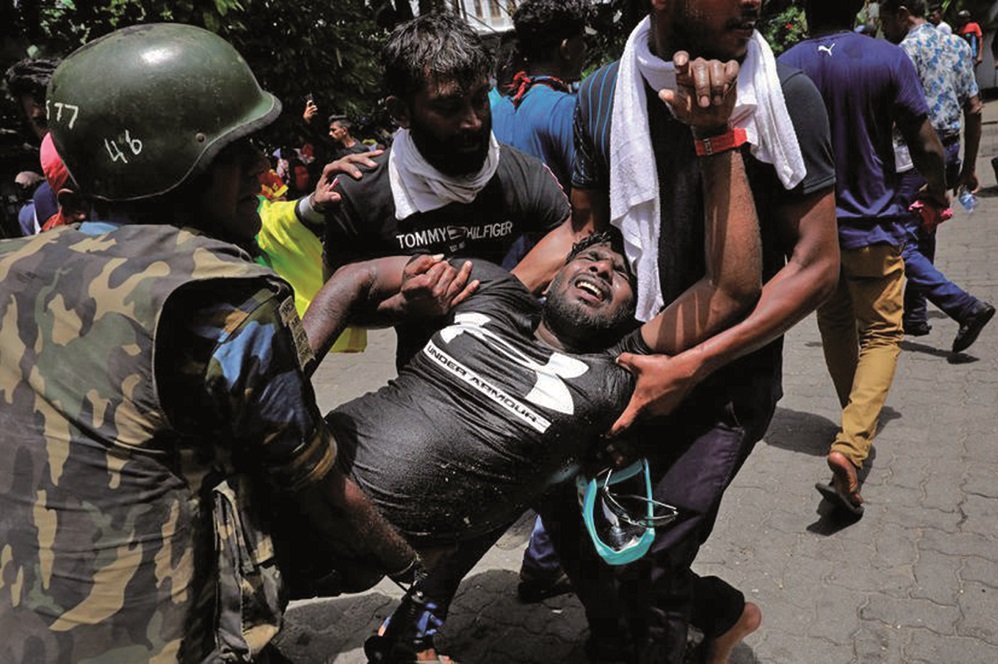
(784, 28)
(329, 49)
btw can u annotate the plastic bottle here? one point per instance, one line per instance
(967, 199)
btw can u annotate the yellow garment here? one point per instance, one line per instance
(295, 253)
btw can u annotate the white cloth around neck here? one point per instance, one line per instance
(419, 187)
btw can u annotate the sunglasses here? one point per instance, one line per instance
(635, 510)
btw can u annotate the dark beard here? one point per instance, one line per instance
(445, 155)
(581, 330)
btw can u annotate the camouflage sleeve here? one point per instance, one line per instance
(238, 382)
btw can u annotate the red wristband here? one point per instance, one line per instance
(730, 140)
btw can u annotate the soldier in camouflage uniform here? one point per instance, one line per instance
(151, 387)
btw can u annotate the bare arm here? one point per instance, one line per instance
(383, 291)
(733, 279)
(807, 279)
(590, 214)
(538, 267)
(343, 515)
(352, 288)
(927, 154)
(972, 141)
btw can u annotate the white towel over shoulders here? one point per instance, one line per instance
(760, 109)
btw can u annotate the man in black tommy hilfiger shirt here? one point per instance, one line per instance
(445, 186)
(522, 197)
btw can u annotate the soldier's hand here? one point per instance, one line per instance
(431, 286)
(705, 93)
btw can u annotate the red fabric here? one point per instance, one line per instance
(52, 166)
(54, 221)
(522, 83)
(931, 214)
(973, 28)
(735, 138)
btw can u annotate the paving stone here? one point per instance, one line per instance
(927, 648)
(936, 579)
(981, 570)
(979, 605)
(940, 618)
(876, 643)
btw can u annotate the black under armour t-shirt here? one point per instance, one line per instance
(523, 197)
(482, 420)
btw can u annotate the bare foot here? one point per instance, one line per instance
(432, 655)
(720, 648)
(846, 480)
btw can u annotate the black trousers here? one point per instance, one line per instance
(694, 455)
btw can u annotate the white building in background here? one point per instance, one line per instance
(486, 15)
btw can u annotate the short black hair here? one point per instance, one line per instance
(30, 76)
(543, 24)
(612, 237)
(914, 7)
(342, 119)
(822, 13)
(437, 44)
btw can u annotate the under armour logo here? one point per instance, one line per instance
(549, 389)
(826, 49)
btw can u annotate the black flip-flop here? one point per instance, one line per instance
(832, 495)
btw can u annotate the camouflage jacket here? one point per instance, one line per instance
(124, 533)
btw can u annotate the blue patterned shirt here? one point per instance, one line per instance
(944, 64)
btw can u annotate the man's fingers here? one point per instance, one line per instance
(629, 361)
(625, 421)
(700, 72)
(465, 294)
(718, 82)
(422, 263)
(460, 279)
(670, 97)
(350, 165)
(443, 280)
(681, 61)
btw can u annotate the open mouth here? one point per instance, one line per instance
(594, 290)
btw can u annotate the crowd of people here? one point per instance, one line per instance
(589, 278)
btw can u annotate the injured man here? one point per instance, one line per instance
(509, 397)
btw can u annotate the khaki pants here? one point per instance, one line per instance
(861, 333)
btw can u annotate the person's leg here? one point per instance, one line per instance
(915, 311)
(694, 481)
(874, 277)
(592, 580)
(927, 281)
(839, 342)
(725, 618)
(924, 281)
(411, 628)
(541, 575)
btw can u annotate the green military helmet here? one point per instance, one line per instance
(135, 113)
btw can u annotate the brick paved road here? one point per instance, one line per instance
(916, 580)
